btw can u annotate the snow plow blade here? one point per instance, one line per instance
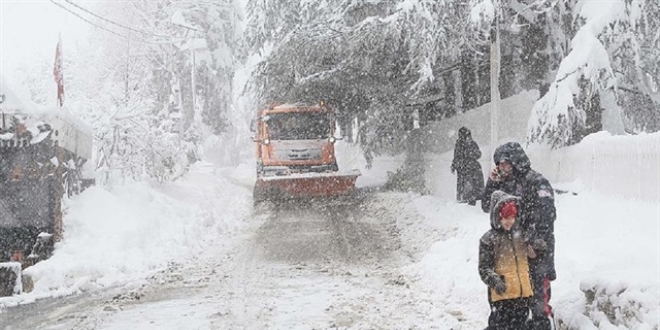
(305, 185)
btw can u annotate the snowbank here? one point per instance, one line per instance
(604, 244)
(119, 237)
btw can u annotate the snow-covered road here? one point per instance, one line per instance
(293, 266)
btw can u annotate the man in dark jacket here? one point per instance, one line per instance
(470, 179)
(513, 174)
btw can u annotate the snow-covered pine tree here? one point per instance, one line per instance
(366, 57)
(210, 38)
(535, 37)
(586, 75)
(542, 30)
(638, 70)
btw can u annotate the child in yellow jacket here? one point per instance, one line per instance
(503, 266)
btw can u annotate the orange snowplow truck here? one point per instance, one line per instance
(296, 154)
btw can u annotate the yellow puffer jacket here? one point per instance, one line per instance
(511, 264)
(503, 255)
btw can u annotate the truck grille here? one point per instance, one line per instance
(298, 154)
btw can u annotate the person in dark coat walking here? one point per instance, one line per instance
(503, 266)
(470, 180)
(513, 174)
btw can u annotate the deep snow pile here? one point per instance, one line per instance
(602, 242)
(122, 235)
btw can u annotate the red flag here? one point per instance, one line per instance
(57, 73)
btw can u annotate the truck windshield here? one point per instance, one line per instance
(298, 126)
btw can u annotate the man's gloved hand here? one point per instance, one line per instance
(500, 287)
(539, 245)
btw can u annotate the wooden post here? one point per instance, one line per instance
(57, 194)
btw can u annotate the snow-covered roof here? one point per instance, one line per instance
(74, 134)
(13, 104)
(9, 101)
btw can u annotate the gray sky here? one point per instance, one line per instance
(29, 31)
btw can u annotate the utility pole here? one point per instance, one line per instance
(193, 84)
(193, 44)
(494, 80)
(197, 44)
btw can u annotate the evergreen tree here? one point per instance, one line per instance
(603, 44)
(369, 58)
(638, 70)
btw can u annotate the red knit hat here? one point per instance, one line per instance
(508, 209)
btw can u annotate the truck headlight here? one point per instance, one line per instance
(266, 141)
(332, 139)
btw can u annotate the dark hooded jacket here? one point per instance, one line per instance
(537, 213)
(470, 177)
(503, 255)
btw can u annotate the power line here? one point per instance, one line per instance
(86, 20)
(111, 21)
(113, 32)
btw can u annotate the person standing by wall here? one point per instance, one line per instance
(513, 174)
(503, 266)
(470, 178)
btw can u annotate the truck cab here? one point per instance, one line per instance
(295, 153)
(295, 138)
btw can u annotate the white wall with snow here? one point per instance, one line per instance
(624, 165)
(514, 117)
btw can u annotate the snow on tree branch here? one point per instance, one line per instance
(585, 72)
